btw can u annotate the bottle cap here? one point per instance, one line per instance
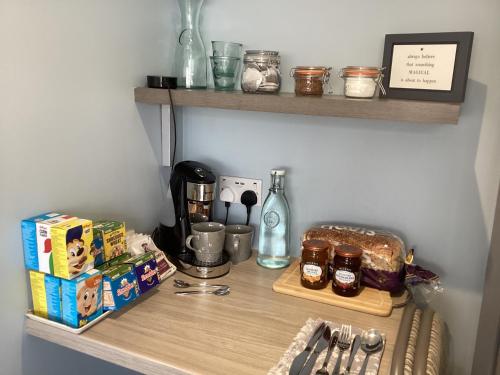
(278, 172)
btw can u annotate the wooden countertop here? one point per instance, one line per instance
(243, 333)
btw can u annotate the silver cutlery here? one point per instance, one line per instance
(300, 359)
(320, 346)
(371, 343)
(343, 344)
(356, 343)
(218, 292)
(333, 341)
(184, 284)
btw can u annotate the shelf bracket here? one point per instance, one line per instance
(166, 125)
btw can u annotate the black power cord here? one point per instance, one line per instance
(172, 162)
(249, 199)
(227, 204)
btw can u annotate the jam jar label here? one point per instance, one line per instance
(311, 272)
(345, 278)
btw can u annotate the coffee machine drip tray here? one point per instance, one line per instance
(203, 270)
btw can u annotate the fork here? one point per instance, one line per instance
(343, 344)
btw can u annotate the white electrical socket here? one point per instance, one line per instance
(231, 188)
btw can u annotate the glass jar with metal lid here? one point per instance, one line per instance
(310, 80)
(362, 81)
(347, 270)
(314, 264)
(261, 72)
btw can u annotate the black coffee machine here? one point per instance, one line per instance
(192, 185)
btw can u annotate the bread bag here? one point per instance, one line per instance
(383, 252)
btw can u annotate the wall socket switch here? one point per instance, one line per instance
(231, 188)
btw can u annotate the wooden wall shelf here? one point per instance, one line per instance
(425, 112)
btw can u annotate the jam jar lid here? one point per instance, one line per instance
(348, 251)
(310, 71)
(315, 245)
(361, 71)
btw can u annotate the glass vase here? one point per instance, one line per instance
(190, 54)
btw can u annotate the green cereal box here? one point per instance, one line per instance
(71, 243)
(109, 240)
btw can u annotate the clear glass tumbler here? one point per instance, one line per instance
(225, 70)
(228, 49)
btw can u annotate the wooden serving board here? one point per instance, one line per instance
(371, 301)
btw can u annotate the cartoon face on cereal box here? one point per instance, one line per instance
(71, 243)
(82, 298)
(86, 297)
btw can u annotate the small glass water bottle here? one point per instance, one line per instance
(274, 231)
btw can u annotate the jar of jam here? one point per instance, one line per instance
(310, 80)
(347, 270)
(314, 264)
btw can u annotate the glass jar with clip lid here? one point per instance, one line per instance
(361, 81)
(310, 80)
(261, 72)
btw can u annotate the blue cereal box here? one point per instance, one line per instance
(146, 270)
(82, 299)
(28, 231)
(46, 294)
(120, 286)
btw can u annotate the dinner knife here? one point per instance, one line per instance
(299, 361)
(322, 344)
(356, 343)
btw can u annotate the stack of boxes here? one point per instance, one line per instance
(79, 269)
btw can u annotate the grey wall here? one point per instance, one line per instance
(71, 139)
(436, 185)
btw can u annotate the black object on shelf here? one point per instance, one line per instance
(162, 82)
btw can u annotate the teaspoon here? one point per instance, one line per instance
(371, 343)
(184, 284)
(218, 292)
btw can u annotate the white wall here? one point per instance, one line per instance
(436, 185)
(71, 139)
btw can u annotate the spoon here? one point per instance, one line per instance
(371, 343)
(218, 292)
(184, 284)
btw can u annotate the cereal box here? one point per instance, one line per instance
(109, 240)
(119, 286)
(46, 294)
(165, 268)
(28, 231)
(71, 248)
(146, 271)
(114, 262)
(82, 299)
(44, 243)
